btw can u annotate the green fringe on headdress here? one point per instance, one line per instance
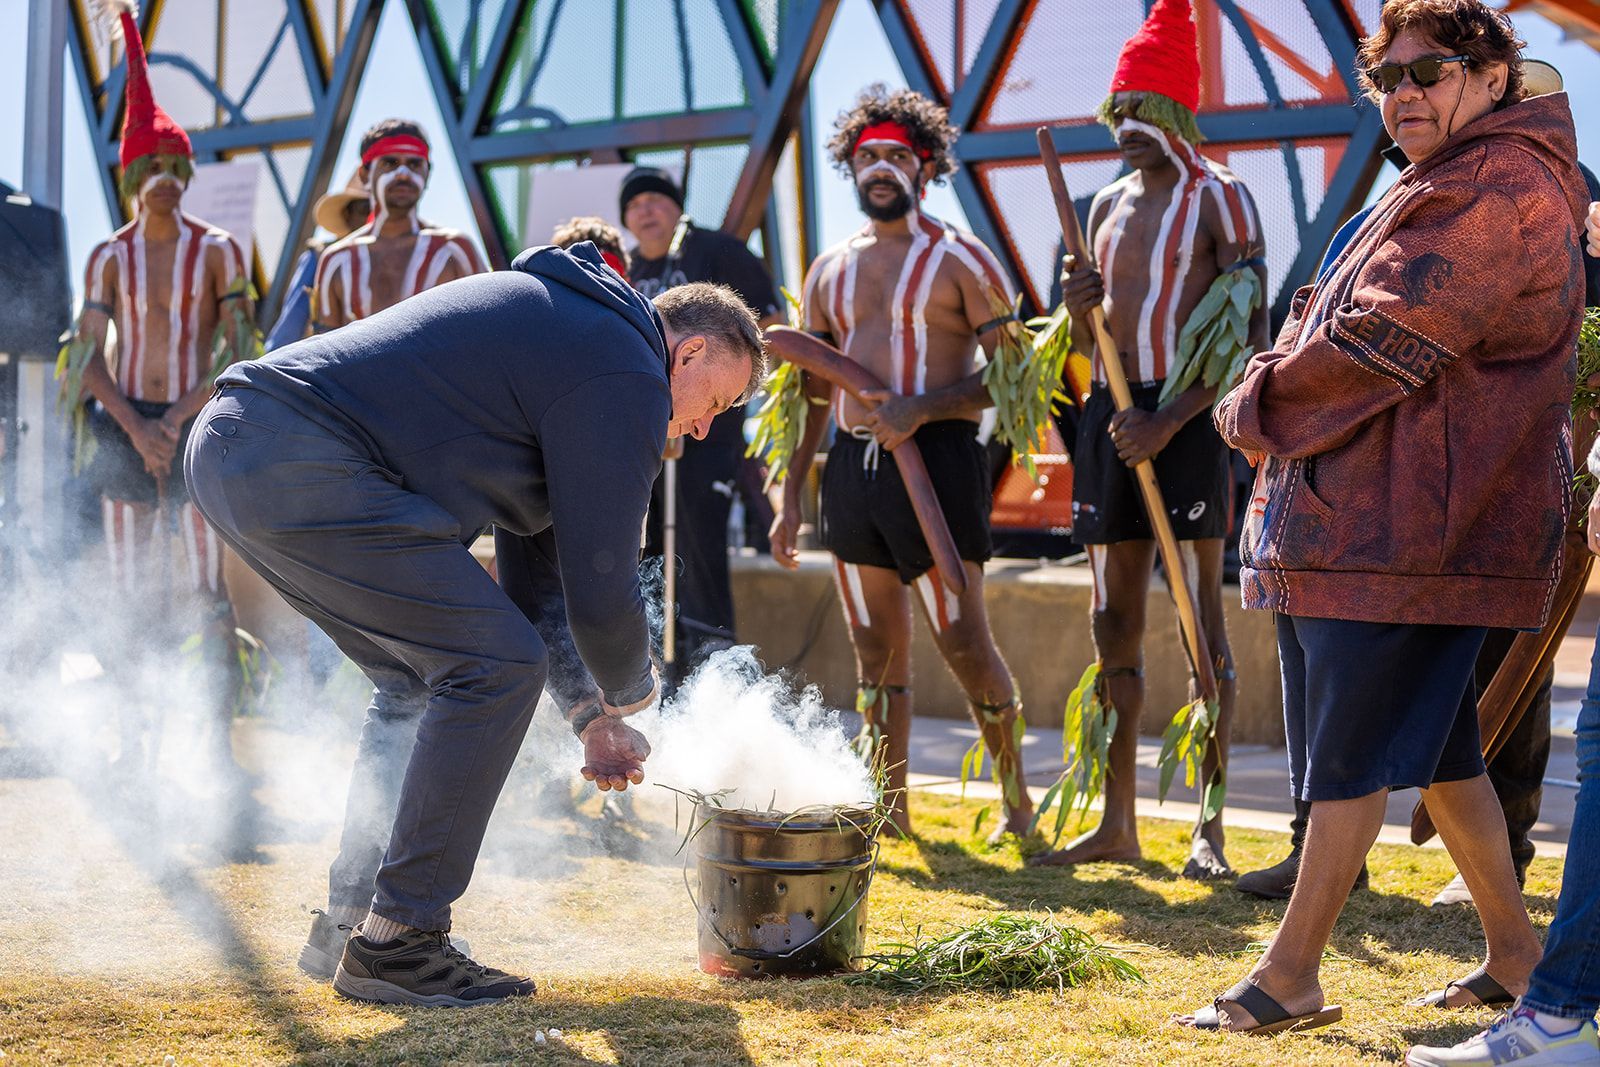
(140, 169)
(1160, 111)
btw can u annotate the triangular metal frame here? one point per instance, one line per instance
(777, 91)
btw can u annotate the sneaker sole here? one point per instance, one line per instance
(377, 991)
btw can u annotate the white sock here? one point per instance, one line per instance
(377, 929)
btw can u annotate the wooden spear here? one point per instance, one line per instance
(815, 356)
(1145, 472)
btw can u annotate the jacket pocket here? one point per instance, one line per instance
(1295, 522)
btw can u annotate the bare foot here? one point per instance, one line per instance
(1206, 861)
(1017, 822)
(1100, 845)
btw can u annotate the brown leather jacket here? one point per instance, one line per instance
(1415, 409)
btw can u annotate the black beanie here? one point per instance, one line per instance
(648, 180)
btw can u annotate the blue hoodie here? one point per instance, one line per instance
(525, 399)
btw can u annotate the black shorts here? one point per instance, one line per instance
(867, 518)
(117, 470)
(1192, 472)
(1370, 706)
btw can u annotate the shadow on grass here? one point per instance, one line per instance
(656, 1030)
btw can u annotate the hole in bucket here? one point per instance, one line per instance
(832, 888)
(755, 966)
(732, 880)
(757, 926)
(782, 888)
(810, 914)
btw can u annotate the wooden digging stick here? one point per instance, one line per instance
(815, 356)
(1166, 541)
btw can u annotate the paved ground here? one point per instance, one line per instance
(1258, 783)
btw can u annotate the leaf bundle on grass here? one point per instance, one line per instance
(1024, 378)
(1185, 743)
(781, 420)
(1214, 344)
(1087, 726)
(997, 953)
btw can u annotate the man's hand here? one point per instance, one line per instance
(1591, 226)
(895, 418)
(1140, 434)
(783, 535)
(613, 753)
(157, 444)
(1083, 289)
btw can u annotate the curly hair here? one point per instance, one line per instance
(1462, 27)
(590, 228)
(929, 124)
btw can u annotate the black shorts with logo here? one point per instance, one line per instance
(867, 517)
(1192, 472)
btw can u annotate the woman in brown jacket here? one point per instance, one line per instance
(1415, 470)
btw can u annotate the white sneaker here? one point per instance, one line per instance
(1515, 1038)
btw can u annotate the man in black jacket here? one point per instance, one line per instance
(353, 470)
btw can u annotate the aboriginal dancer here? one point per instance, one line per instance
(396, 254)
(910, 298)
(177, 290)
(1173, 240)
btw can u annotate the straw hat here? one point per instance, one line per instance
(329, 211)
(1540, 78)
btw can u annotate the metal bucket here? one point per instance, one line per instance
(782, 895)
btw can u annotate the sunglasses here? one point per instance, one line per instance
(1425, 72)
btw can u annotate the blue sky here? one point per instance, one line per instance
(856, 53)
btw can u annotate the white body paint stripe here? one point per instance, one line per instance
(1097, 574)
(419, 256)
(858, 598)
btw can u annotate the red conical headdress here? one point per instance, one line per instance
(1163, 57)
(146, 129)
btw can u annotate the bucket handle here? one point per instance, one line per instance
(761, 954)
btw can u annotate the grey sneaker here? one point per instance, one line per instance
(421, 967)
(319, 957)
(1454, 893)
(324, 945)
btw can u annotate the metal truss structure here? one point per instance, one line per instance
(719, 88)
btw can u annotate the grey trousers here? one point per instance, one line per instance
(382, 570)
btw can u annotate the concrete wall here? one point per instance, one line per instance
(1040, 618)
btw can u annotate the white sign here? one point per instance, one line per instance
(224, 194)
(558, 195)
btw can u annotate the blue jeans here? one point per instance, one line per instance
(1567, 980)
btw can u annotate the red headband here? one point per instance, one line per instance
(400, 144)
(893, 132)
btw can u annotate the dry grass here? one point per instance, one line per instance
(127, 962)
